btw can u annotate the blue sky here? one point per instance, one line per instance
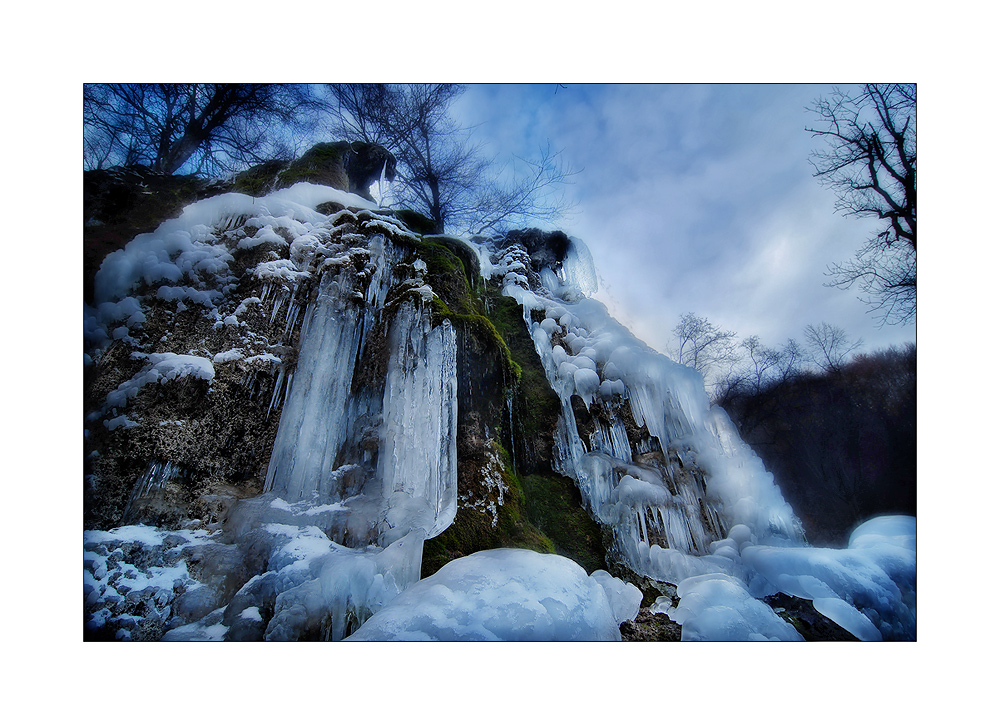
(692, 198)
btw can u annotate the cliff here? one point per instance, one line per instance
(306, 418)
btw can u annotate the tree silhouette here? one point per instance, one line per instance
(871, 164)
(828, 347)
(206, 126)
(441, 171)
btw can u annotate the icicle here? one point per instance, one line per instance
(277, 388)
(290, 320)
(279, 300)
(417, 461)
(156, 476)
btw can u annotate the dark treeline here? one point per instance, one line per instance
(841, 443)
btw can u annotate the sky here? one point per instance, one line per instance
(692, 198)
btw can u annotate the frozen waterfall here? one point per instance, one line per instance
(653, 460)
(336, 330)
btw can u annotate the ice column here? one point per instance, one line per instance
(417, 462)
(312, 428)
(320, 412)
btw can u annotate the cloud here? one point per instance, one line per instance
(694, 198)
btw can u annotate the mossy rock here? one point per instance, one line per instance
(553, 504)
(448, 273)
(322, 164)
(416, 222)
(537, 407)
(260, 179)
(473, 530)
(470, 261)
(329, 208)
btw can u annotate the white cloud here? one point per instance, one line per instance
(693, 199)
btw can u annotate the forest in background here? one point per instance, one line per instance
(841, 444)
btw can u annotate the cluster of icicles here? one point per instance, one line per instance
(683, 478)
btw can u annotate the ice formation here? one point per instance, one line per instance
(653, 460)
(869, 588)
(716, 607)
(508, 595)
(364, 464)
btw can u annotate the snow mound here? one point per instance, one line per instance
(507, 595)
(719, 608)
(869, 588)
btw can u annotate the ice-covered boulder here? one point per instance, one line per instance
(507, 595)
(869, 588)
(720, 608)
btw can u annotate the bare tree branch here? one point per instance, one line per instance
(169, 126)
(871, 163)
(701, 345)
(441, 171)
(828, 346)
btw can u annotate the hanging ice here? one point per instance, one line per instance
(653, 460)
(314, 421)
(417, 462)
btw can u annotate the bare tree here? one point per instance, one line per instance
(763, 362)
(442, 172)
(701, 345)
(530, 194)
(871, 164)
(205, 127)
(364, 112)
(828, 346)
(748, 392)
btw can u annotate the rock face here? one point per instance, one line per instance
(298, 405)
(261, 370)
(351, 166)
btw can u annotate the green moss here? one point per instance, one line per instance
(449, 262)
(538, 405)
(481, 327)
(415, 221)
(542, 513)
(322, 164)
(448, 273)
(474, 530)
(553, 504)
(469, 259)
(258, 180)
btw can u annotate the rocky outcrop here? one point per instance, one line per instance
(298, 405)
(351, 166)
(194, 350)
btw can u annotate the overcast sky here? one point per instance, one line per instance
(693, 198)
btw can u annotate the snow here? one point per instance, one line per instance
(720, 608)
(506, 595)
(120, 421)
(230, 355)
(188, 258)
(869, 588)
(264, 235)
(162, 368)
(251, 613)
